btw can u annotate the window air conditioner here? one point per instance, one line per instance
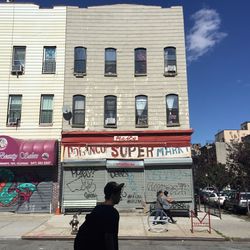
(15, 122)
(17, 69)
(171, 68)
(110, 121)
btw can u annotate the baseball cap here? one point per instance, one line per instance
(112, 188)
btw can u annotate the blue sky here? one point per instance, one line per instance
(218, 52)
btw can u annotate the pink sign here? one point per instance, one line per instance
(16, 152)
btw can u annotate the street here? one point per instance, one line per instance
(127, 245)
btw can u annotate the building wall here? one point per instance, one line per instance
(28, 25)
(221, 152)
(233, 135)
(126, 27)
(228, 136)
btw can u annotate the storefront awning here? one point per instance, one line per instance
(164, 162)
(16, 152)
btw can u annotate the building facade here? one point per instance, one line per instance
(93, 95)
(32, 52)
(228, 136)
(126, 115)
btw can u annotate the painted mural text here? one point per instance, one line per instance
(123, 152)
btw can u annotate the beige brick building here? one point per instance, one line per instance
(126, 104)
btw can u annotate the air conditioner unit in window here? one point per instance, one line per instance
(171, 69)
(110, 121)
(14, 122)
(17, 69)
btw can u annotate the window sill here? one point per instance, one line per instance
(110, 126)
(110, 75)
(48, 73)
(141, 126)
(173, 125)
(138, 75)
(45, 124)
(170, 74)
(77, 126)
(17, 73)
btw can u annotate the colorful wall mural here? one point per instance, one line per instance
(13, 192)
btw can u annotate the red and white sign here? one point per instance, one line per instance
(126, 138)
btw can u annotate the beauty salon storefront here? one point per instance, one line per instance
(28, 169)
(146, 161)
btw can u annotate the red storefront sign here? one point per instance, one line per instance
(16, 152)
(82, 145)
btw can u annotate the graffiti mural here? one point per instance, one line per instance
(132, 191)
(83, 180)
(13, 193)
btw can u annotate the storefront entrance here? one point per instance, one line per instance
(27, 172)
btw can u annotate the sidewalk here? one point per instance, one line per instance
(132, 226)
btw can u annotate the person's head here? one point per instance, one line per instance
(166, 193)
(112, 191)
(160, 192)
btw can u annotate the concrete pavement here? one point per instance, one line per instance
(132, 226)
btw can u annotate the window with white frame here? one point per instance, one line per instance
(46, 109)
(170, 61)
(172, 106)
(18, 60)
(140, 62)
(110, 111)
(141, 110)
(110, 62)
(49, 60)
(78, 119)
(14, 110)
(80, 58)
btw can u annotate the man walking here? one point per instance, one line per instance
(100, 229)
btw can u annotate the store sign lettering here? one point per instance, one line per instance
(126, 138)
(5, 156)
(123, 152)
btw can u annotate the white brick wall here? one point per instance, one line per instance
(126, 27)
(28, 25)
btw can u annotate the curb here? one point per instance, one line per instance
(158, 238)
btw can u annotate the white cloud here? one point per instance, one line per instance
(205, 34)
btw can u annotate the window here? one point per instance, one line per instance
(14, 110)
(170, 61)
(78, 119)
(110, 111)
(49, 60)
(18, 61)
(172, 110)
(141, 110)
(110, 62)
(46, 109)
(140, 62)
(80, 61)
